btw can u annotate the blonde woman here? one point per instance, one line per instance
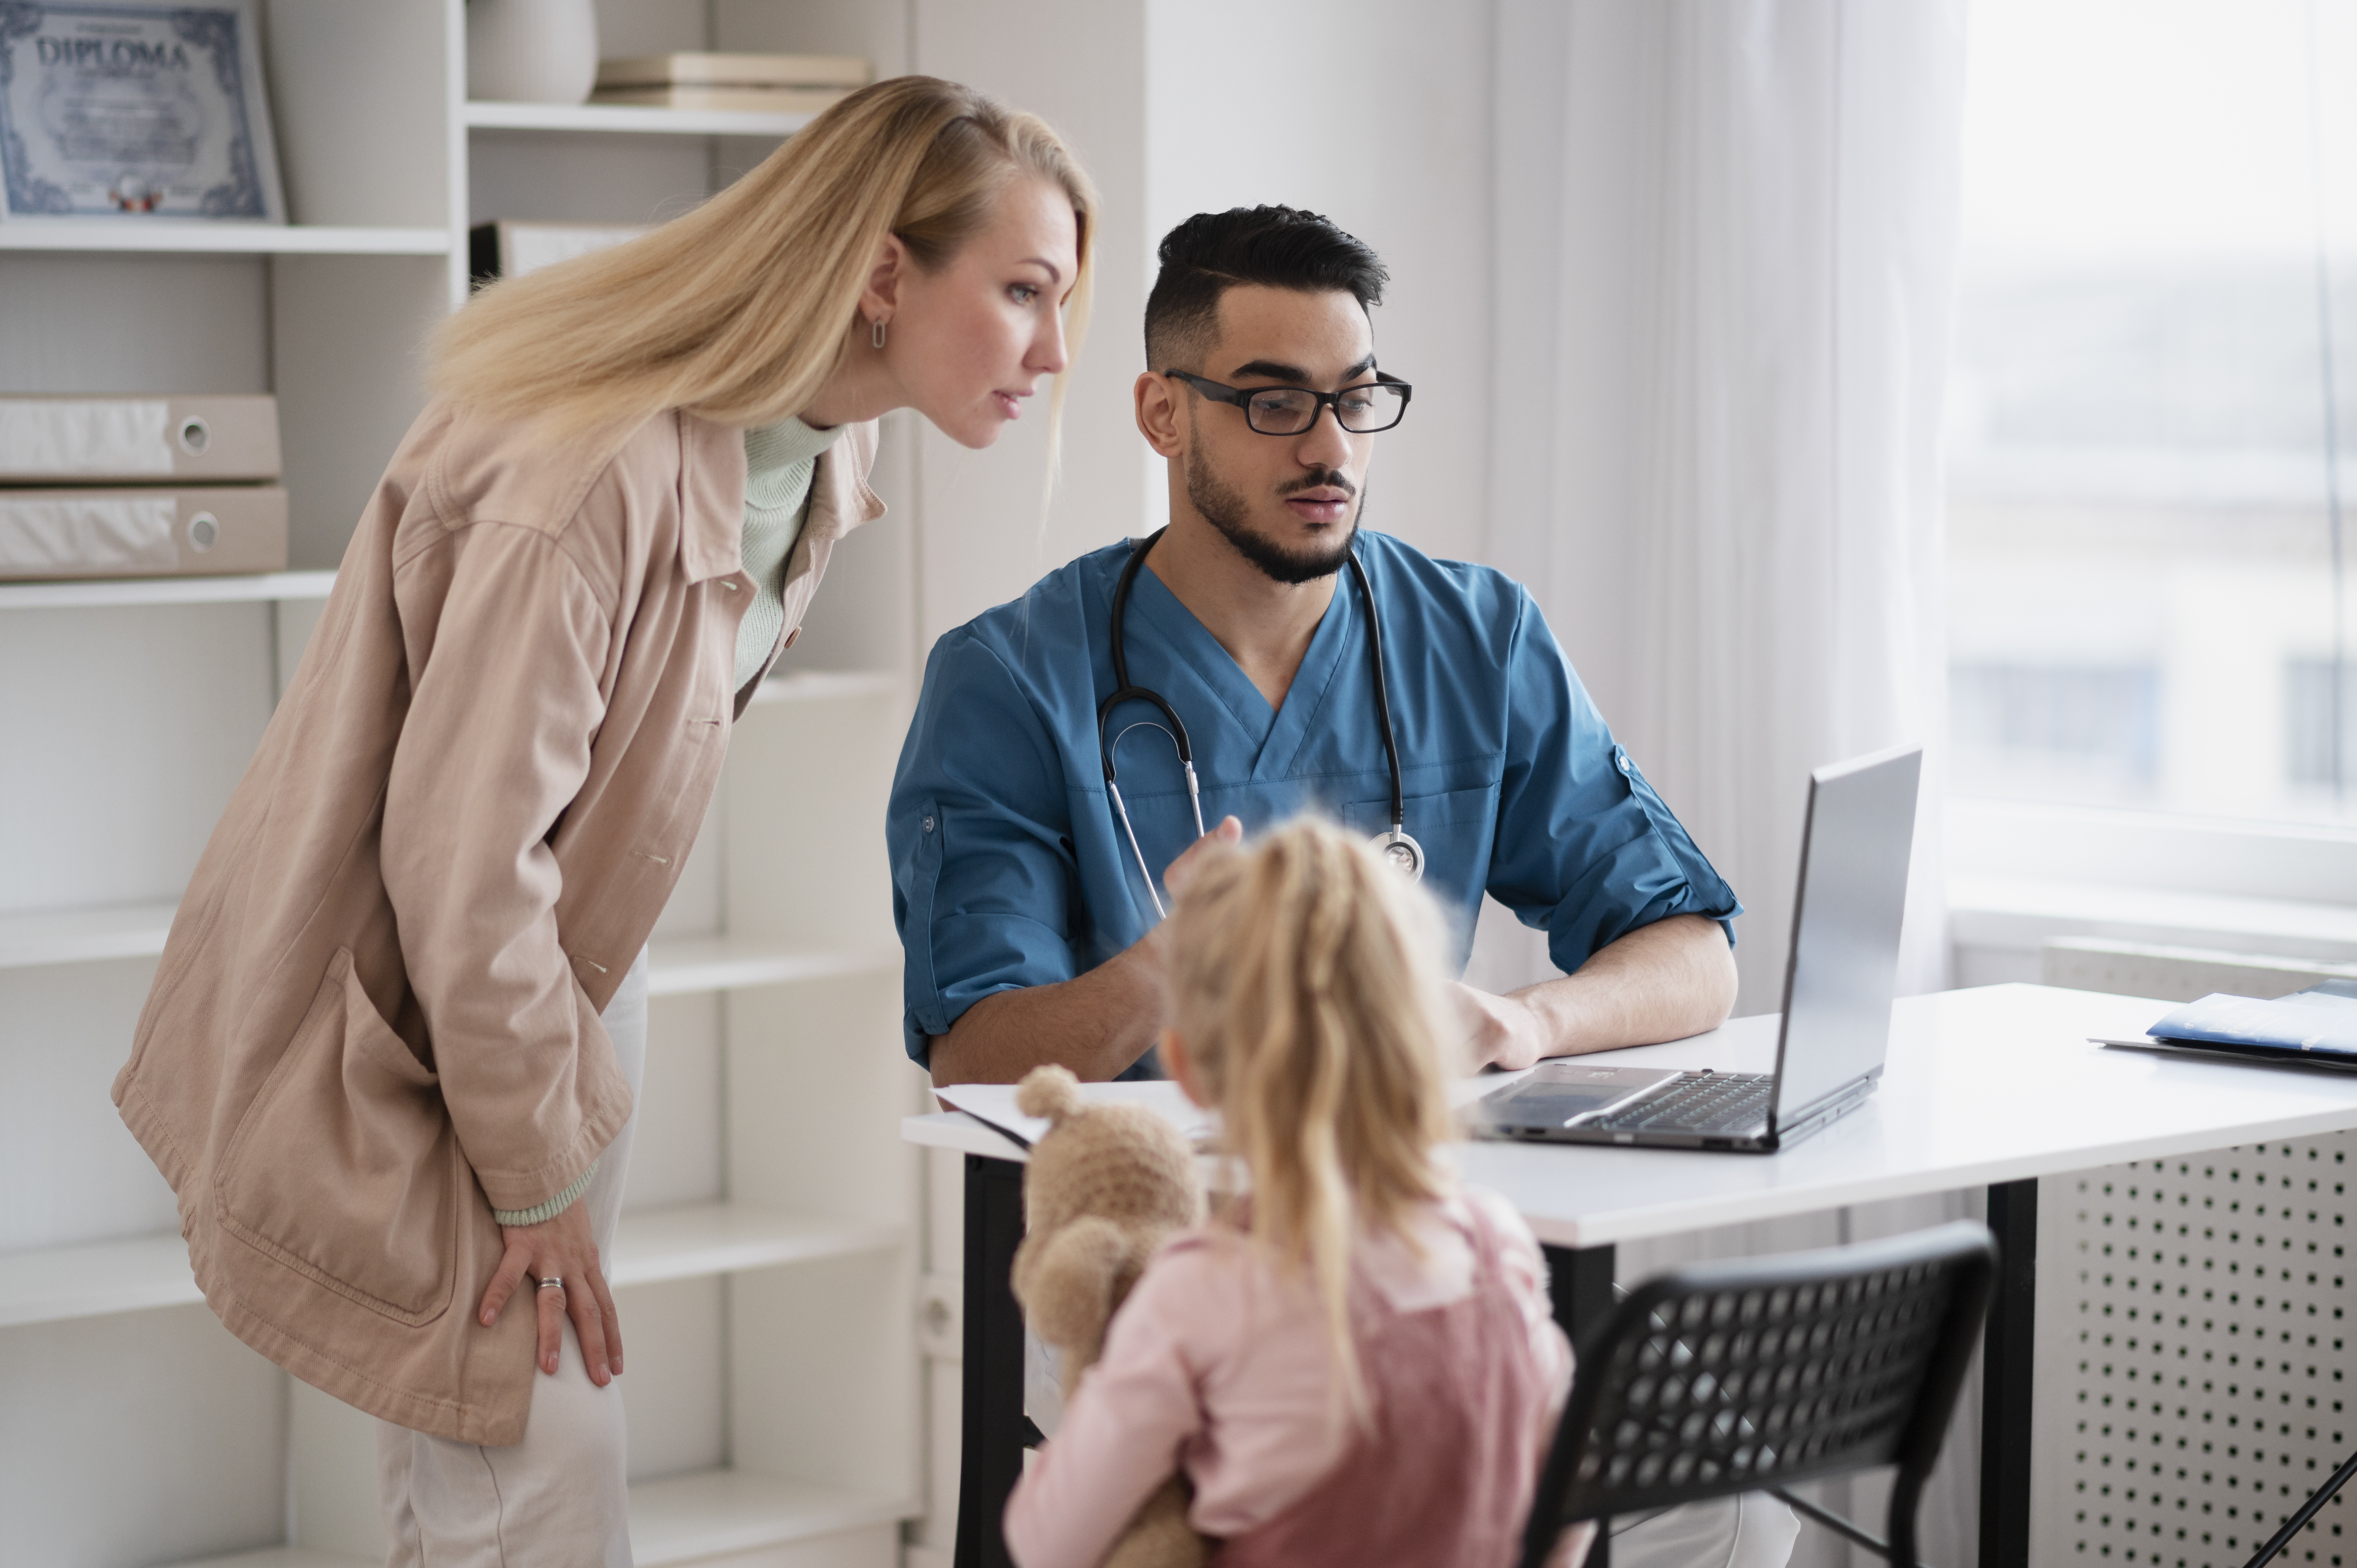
(1359, 1364)
(390, 1055)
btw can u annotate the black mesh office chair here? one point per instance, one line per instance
(1761, 1373)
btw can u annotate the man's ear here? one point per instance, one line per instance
(881, 297)
(1157, 413)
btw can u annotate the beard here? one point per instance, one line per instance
(1224, 508)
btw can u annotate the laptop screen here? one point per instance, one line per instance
(1845, 919)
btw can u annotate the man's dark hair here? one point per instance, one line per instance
(1212, 253)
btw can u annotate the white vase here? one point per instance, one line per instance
(532, 51)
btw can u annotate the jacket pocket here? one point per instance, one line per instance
(346, 1168)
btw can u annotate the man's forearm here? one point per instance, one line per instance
(1662, 981)
(1096, 1025)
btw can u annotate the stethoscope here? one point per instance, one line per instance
(1395, 845)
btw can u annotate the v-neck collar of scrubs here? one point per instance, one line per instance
(1275, 734)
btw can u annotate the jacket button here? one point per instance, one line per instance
(929, 824)
(789, 638)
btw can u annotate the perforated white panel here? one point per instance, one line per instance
(2192, 1325)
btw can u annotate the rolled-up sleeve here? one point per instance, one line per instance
(1585, 850)
(984, 875)
(494, 748)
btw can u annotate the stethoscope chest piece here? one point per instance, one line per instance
(1401, 852)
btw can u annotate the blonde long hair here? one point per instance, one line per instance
(740, 310)
(1306, 991)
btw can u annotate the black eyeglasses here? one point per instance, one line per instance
(1290, 410)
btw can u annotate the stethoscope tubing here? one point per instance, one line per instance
(1397, 844)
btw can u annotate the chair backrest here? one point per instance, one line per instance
(1728, 1378)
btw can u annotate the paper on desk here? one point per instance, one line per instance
(993, 1105)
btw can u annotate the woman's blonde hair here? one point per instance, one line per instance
(1306, 992)
(739, 310)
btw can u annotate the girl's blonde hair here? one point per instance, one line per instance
(1306, 991)
(740, 310)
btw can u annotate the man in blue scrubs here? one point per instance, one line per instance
(1022, 898)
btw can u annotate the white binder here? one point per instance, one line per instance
(163, 531)
(141, 440)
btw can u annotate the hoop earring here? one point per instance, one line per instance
(876, 332)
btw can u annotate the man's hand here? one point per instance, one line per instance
(561, 1249)
(1662, 981)
(1097, 1023)
(1500, 1031)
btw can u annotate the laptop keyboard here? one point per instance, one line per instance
(1702, 1102)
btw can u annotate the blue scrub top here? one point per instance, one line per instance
(1010, 869)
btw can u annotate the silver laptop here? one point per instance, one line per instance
(1838, 986)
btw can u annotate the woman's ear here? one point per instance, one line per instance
(1181, 1067)
(881, 297)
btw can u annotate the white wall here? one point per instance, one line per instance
(1375, 114)
(983, 534)
(1328, 109)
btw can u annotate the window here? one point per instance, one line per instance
(2153, 408)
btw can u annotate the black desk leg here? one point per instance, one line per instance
(1580, 1280)
(991, 1426)
(2007, 1377)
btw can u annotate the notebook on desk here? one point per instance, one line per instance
(2311, 1029)
(1839, 979)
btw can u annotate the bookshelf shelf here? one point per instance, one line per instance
(682, 965)
(694, 1518)
(700, 1238)
(679, 966)
(54, 1285)
(77, 936)
(711, 1514)
(820, 686)
(631, 119)
(180, 237)
(114, 592)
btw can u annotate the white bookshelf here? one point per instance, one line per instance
(767, 1266)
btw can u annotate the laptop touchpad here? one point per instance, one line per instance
(1559, 1092)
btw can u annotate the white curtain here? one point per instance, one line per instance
(1725, 234)
(1725, 241)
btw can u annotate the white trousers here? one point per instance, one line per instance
(559, 1498)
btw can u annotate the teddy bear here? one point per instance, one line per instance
(1105, 1187)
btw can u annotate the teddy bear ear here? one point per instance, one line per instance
(1050, 1091)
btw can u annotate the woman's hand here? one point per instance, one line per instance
(561, 1249)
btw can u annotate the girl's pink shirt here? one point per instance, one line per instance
(1215, 1365)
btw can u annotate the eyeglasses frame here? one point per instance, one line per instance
(1240, 397)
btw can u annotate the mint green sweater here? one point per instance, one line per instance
(781, 462)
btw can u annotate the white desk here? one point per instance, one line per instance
(1993, 1087)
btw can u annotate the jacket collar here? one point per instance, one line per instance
(712, 494)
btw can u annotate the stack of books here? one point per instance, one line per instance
(775, 84)
(139, 487)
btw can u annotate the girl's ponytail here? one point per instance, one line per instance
(1306, 989)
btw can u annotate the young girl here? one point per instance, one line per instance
(1357, 1364)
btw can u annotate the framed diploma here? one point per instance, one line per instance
(129, 110)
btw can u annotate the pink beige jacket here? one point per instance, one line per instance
(377, 1015)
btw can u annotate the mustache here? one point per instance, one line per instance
(1317, 478)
